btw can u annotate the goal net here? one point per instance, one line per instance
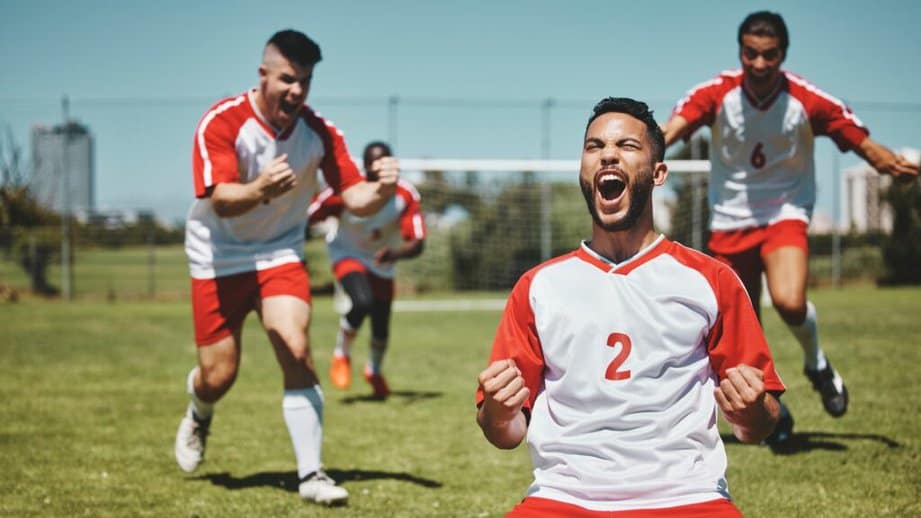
(489, 221)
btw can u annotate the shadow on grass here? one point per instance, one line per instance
(408, 397)
(288, 481)
(802, 442)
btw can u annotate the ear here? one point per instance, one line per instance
(263, 71)
(659, 173)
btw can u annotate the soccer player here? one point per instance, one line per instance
(762, 180)
(613, 358)
(363, 251)
(254, 163)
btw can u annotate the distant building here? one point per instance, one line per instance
(863, 194)
(63, 173)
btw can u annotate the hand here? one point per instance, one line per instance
(504, 392)
(387, 170)
(276, 178)
(741, 396)
(386, 256)
(904, 170)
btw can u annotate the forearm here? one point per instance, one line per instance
(502, 434)
(757, 425)
(674, 129)
(410, 249)
(233, 199)
(366, 198)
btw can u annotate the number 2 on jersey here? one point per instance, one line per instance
(612, 373)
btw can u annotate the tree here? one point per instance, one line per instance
(902, 249)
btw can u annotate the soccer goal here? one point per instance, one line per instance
(489, 221)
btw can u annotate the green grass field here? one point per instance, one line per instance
(92, 393)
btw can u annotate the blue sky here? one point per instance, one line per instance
(470, 76)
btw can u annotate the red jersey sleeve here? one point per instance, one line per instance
(324, 205)
(828, 115)
(516, 339)
(338, 168)
(736, 337)
(412, 224)
(701, 104)
(214, 157)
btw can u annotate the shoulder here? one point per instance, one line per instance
(320, 124)
(713, 270)
(807, 92)
(407, 190)
(227, 112)
(723, 82)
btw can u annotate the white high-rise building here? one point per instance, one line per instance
(63, 172)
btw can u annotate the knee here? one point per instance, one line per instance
(362, 305)
(218, 378)
(790, 307)
(298, 344)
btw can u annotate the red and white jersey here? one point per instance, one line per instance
(622, 361)
(357, 237)
(761, 153)
(233, 143)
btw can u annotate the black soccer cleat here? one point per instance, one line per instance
(783, 430)
(828, 383)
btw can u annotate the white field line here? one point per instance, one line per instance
(449, 305)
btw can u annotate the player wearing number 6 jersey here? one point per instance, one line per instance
(613, 359)
(762, 179)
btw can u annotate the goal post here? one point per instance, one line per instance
(490, 220)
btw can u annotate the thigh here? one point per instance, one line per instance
(748, 266)
(221, 359)
(786, 261)
(284, 303)
(220, 305)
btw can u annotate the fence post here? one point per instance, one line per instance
(546, 195)
(151, 265)
(836, 221)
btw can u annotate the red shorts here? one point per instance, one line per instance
(381, 287)
(219, 305)
(744, 249)
(534, 507)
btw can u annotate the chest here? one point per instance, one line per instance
(255, 148)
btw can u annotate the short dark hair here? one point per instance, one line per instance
(638, 110)
(296, 47)
(366, 154)
(765, 23)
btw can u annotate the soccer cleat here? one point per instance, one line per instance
(378, 384)
(340, 372)
(783, 430)
(190, 440)
(828, 383)
(319, 488)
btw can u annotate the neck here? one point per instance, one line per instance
(762, 91)
(621, 245)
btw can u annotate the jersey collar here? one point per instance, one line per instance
(603, 263)
(766, 102)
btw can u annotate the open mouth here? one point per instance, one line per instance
(610, 186)
(287, 107)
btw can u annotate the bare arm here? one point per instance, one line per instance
(233, 199)
(500, 415)
(885, 161)
(366, 198)
(675, 129)
(750, 410)
(407, 250)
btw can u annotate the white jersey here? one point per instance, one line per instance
(233, 143)
(622, 361)
(761, 153)
(361, 237)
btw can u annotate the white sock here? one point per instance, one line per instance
(344, 338)
(807, 334)
(376, 358)
(201, 408)
(303, 409)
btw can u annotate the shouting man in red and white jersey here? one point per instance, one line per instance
(363, 251)
(613, 359)
(254, 163)
(762, 180)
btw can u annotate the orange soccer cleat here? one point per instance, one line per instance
(378, 384)
(340, 372)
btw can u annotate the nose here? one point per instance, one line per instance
(609, 155)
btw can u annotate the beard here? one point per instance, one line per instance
(640, 192)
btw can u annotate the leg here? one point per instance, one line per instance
(786, 268)
(748, 267)
(286, 319)
(356, 286)
(383, 291)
